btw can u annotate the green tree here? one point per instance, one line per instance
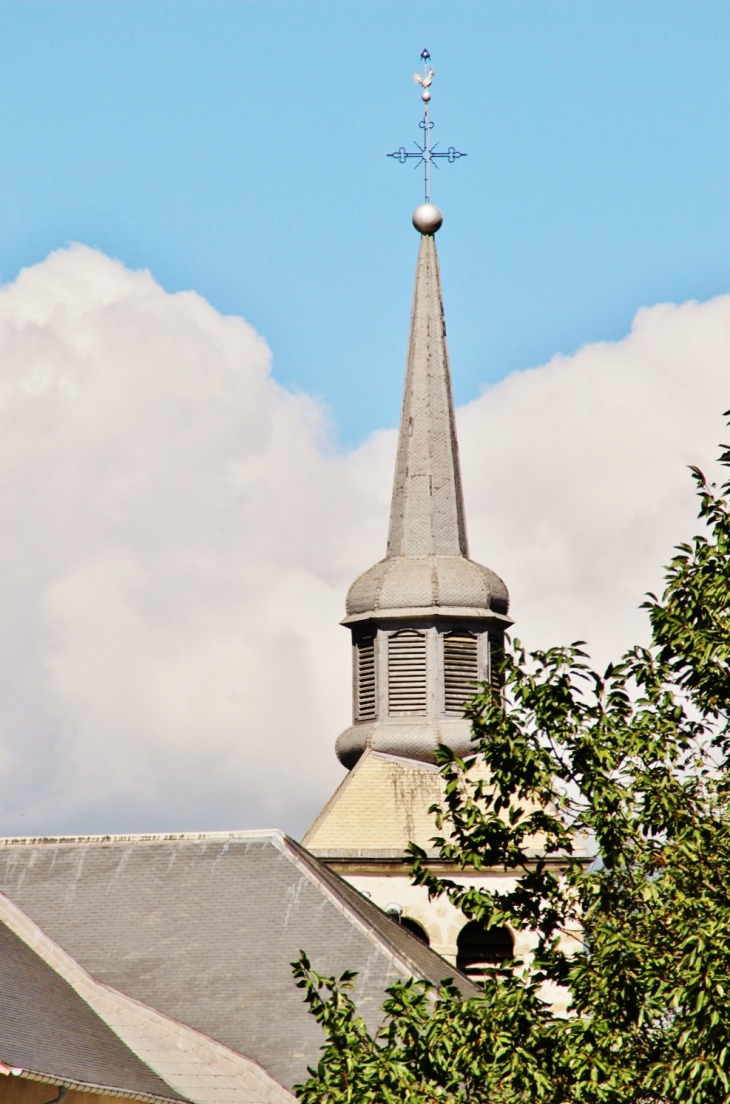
(634, 763)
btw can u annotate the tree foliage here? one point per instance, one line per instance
(633, 765)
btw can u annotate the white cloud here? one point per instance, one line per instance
(169, 646)
(178, 535)
(576, 472)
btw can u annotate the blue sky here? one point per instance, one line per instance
(175, 527)
(238, 149)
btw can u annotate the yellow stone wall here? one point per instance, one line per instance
(363, 832)
(441, 921)
(381, 806)
(19, 1090)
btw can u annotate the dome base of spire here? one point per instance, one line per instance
(427, 583)
(408, 737)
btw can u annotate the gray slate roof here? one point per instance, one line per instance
(203, 928)
(48, 1030)
(427, 565)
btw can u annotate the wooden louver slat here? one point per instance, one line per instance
(461, 670)
(407, 672)
(366, 679)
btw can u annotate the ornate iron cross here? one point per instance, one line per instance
(426, 154)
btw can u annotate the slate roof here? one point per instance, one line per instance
(195, 1066)
(47, 1030)
(203, 928)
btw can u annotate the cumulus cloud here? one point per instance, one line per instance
(577, 475)
(169, 584)
(178, 534)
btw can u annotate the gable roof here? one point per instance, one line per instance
(203, 929)
(49, 1032)
(194, 1066)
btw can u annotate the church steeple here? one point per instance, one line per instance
(427, 510)
(426, 620)
(427, 623)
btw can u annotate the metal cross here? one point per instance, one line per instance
(426, 154)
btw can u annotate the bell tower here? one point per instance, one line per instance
(426, 621)
(426, 624)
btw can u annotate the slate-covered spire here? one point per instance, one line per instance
(425, 620)
(427, 509)
(426, 565)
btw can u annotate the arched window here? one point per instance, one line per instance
(365, 676)
(461, 669)
(407, 672)
(478, 947)
(415, 927)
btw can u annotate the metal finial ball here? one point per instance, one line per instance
(427, 218)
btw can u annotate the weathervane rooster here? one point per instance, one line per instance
(426, 154)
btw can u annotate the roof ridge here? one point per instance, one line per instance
(144, 837)
(328, 882)
(323, 878)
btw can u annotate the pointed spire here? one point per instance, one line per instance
(427, 509)
(426, 619)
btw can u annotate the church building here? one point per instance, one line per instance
(158, 968)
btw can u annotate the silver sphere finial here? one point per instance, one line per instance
(427, 218)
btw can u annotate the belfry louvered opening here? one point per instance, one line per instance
(407, 672)
(461, 669)
(366, 707)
